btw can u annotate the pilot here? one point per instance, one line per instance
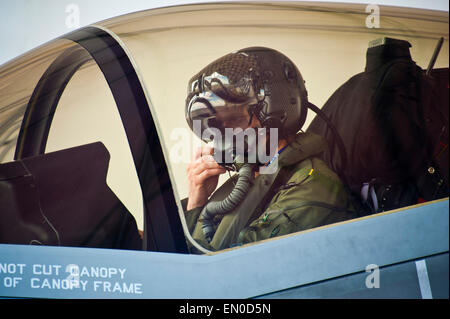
(281, 186)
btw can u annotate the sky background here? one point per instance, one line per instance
(25, 24)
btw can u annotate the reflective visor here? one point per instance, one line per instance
(217, 105)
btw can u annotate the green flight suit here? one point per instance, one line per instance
(312, 196)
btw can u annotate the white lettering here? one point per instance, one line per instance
(46, 284)
(138, 288)
(182, 310)
(9, 282)
(112, 272)
(46, 269)
(94, 271)
(11, 268)
(266, 308)
(196, 309)
(128, 289)
(35, 283)
(246, 308)
(96, 285)
(373, 280)
(73, 17)
(102, 272)
(55, 284)
(106, 286)
(118, 287)
(182, 147)
(84, 272)
(373, 19)
(35, 269)
(83, 284)
(74, 275)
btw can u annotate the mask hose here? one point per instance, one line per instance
(237, 195)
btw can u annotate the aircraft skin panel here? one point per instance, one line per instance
(438, 275)
(396, 281)
(255, 270)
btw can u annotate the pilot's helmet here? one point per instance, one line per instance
(255, 81)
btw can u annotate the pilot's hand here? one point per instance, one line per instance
(203, 174)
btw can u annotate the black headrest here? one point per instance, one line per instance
(61, 198)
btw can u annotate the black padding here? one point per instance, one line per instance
(62, 198)
(393, 121)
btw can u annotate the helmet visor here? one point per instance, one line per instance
(220, 106)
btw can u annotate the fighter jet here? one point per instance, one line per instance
(94, 147)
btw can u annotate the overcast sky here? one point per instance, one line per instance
(25, 24)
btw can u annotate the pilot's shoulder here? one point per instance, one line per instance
(313, 169)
